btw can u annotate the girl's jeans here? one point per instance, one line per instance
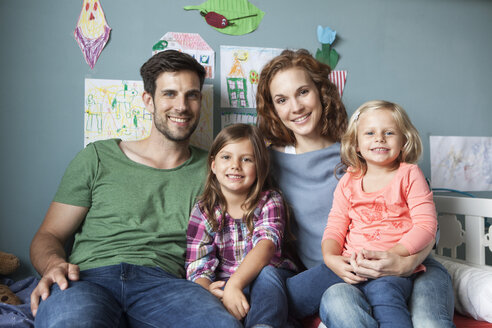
(431, 304)
(387, 295)
(343, 305)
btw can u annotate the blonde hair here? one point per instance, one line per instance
(412, 146)
(212, 194)
(333, 119)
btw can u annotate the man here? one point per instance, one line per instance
(128, 203)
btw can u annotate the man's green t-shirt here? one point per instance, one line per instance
(137, 214)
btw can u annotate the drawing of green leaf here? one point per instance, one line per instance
(231, 10)
(333, 61)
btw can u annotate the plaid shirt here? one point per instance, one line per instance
(217, 255)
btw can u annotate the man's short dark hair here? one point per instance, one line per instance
(169, 61)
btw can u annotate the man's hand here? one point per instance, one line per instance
(235, 301)
(56, 273)
(47, 249)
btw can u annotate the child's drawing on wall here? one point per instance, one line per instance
(462, 163)
(114, 109)
(240, 67)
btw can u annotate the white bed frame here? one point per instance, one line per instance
(474, 236)
(471, 274)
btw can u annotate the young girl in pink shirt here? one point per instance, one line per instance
(382, 203)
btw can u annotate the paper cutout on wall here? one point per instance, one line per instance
(192, 44)
(92, 31)
(327, 55)
(338, 78)
(229, 118)
(239, 73)
(204, 133)
(461, 163)
(230, 17)
(114, 109)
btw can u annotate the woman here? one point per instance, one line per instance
(300, 112)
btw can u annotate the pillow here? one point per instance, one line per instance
(472, 289)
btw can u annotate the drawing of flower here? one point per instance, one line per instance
(326, 35)
(327, 55)
(254, 77)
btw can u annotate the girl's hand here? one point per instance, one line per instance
(216, 289)
(342, 268)
(235, 301)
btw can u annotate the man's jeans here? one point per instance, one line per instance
(127, 295)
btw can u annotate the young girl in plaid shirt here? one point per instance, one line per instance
(236, 231)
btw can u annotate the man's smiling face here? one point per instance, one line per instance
(176, 104)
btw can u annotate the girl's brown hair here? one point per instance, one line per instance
(212, 194)
(334, 117)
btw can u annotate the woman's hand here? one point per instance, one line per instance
(376, 264)
(342, 268)
(235, 301)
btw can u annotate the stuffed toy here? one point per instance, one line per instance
(8, 264)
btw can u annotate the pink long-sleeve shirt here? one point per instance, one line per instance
(402, 212)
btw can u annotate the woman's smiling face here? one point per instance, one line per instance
(297, 102)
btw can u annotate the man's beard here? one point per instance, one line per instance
(175, 136)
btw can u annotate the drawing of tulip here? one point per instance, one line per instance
(326, 35)
(327, 55)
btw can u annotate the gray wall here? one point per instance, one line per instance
(431, 56)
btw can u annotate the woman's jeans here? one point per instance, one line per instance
(387, 295)
(431, 304)
(128, 295)
(267, 299)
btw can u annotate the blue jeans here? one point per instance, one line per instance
(135, 296)
(431, 304)
(388, 295)
(267, 299)
(388, 298)
(305, 289)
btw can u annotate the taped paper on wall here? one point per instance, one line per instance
(229, 118)
(114, 109)
(462, 163)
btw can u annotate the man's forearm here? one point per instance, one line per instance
(46, 250)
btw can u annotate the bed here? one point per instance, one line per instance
(464, 248)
